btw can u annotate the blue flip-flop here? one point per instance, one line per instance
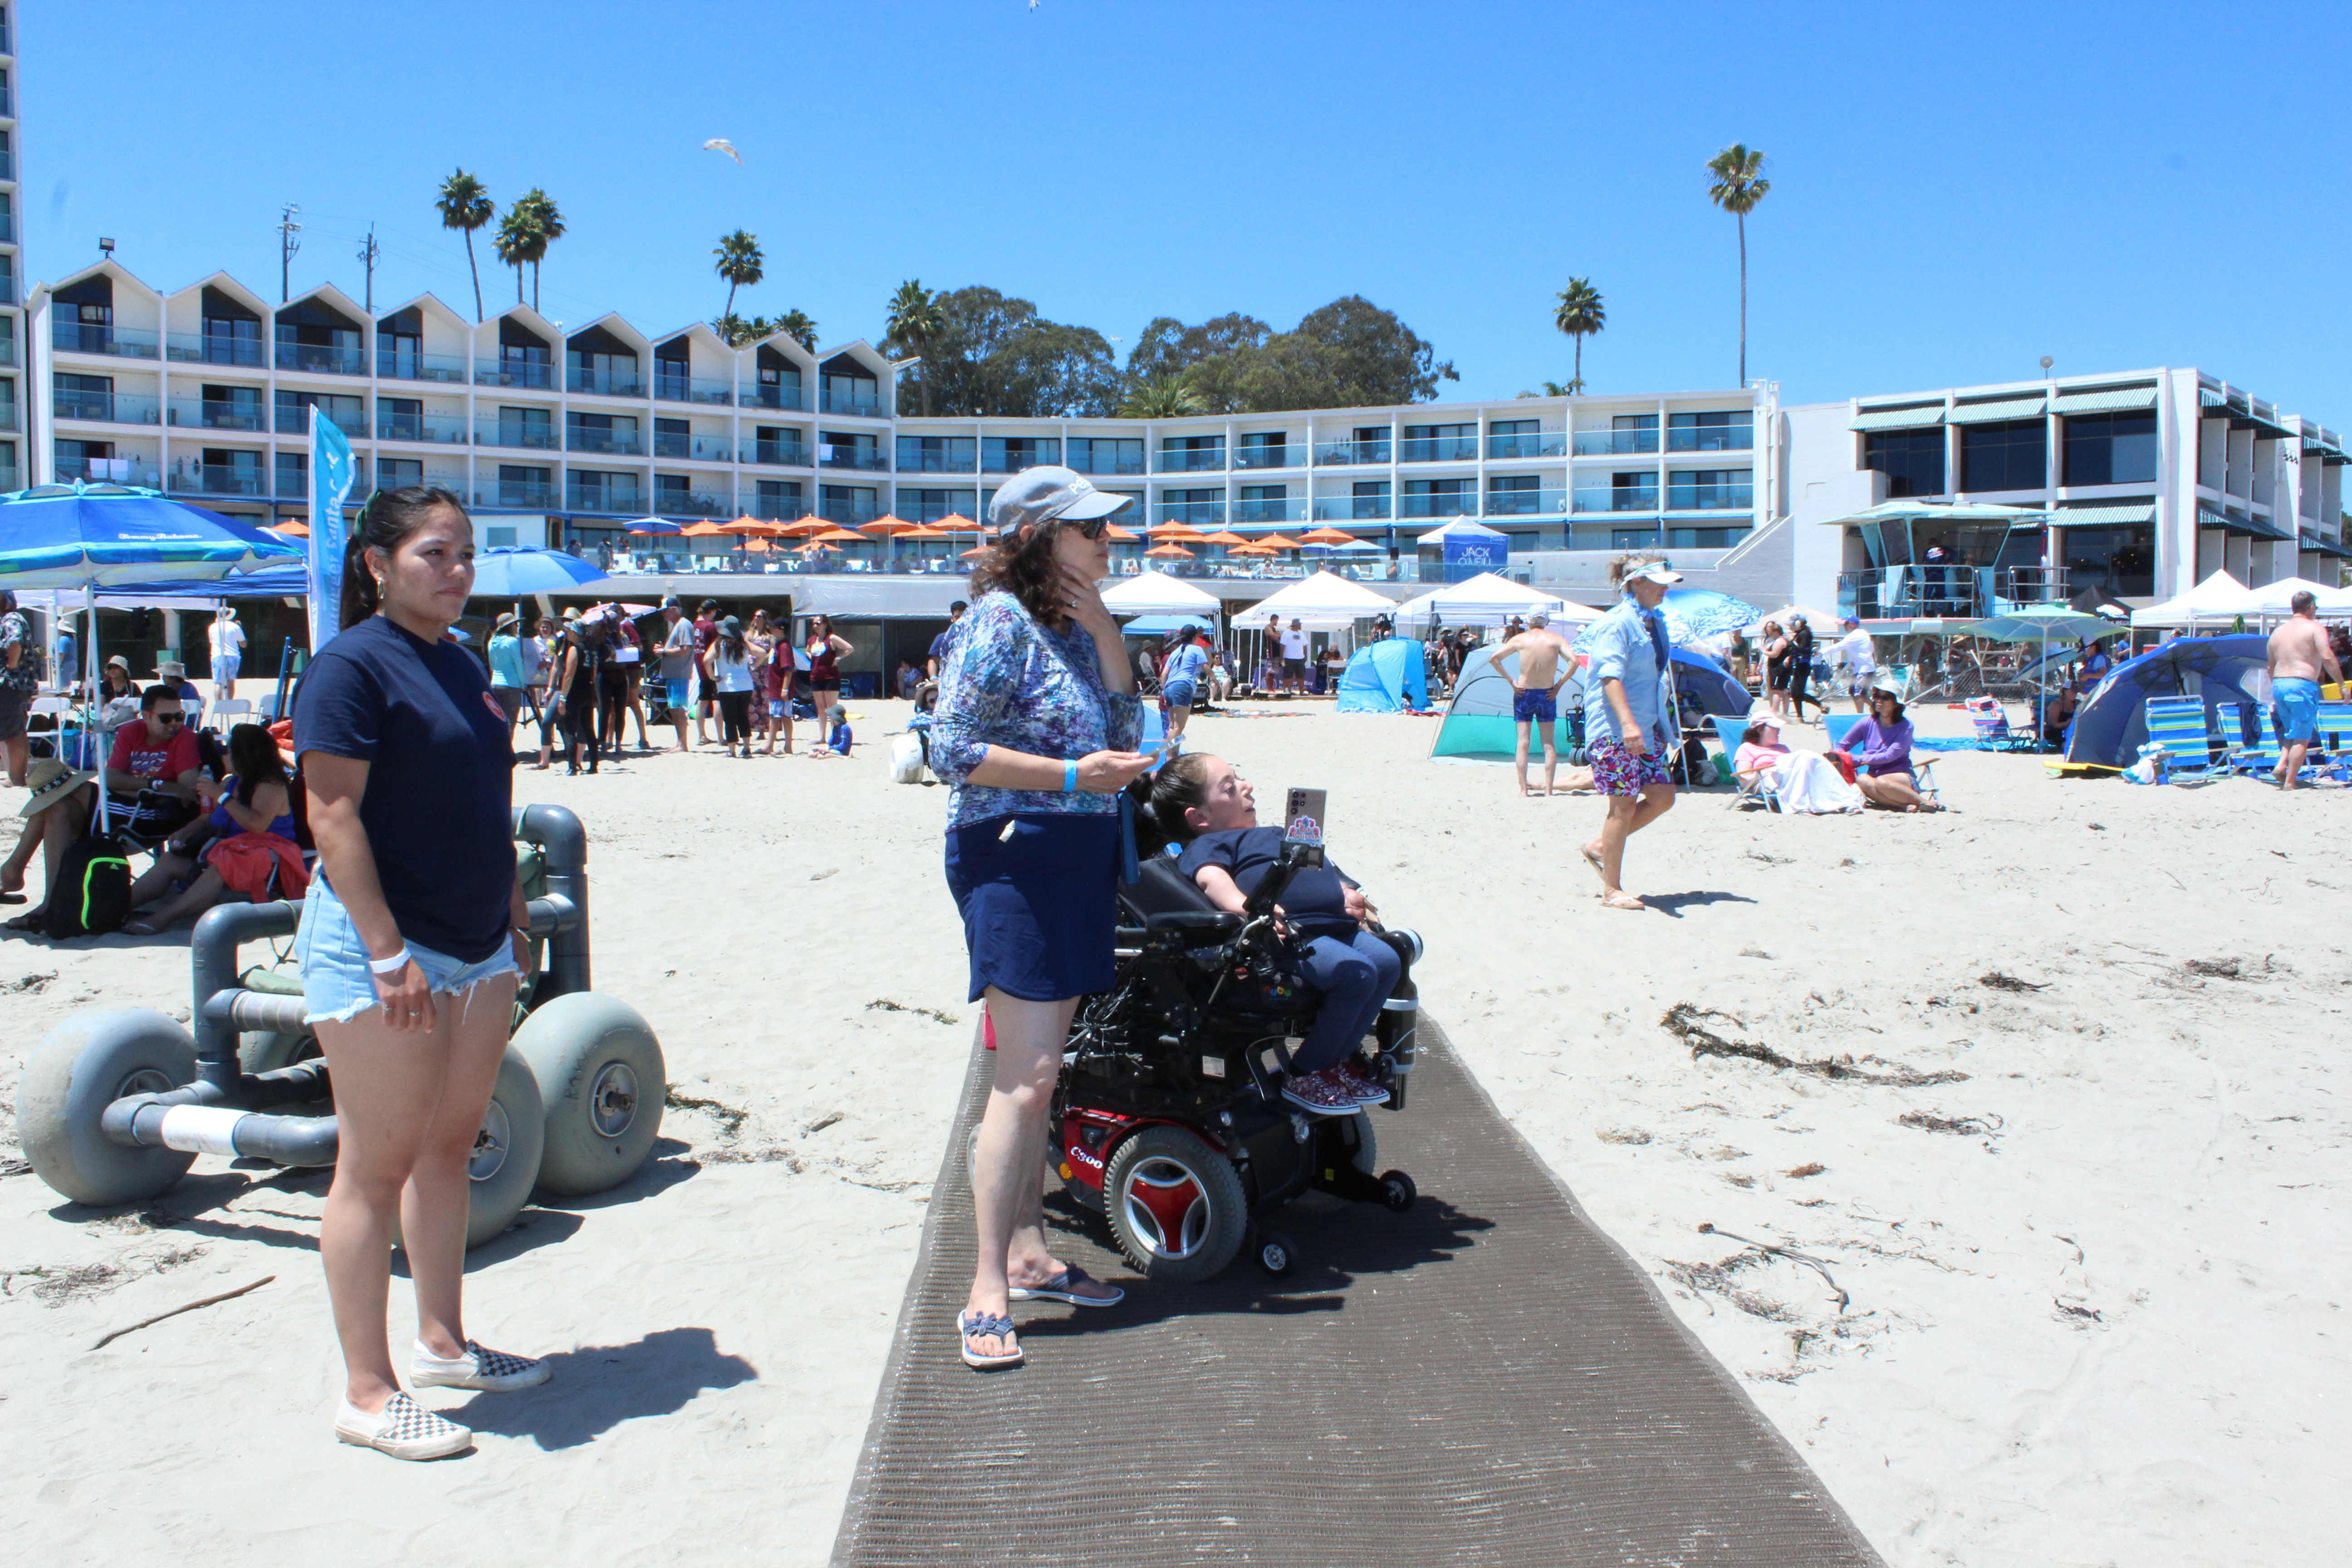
(969, 1325)
(1062, 1287)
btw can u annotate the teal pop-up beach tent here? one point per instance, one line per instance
(1477, 726)
(1384, 677)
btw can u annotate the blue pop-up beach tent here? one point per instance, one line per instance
(2226, 671)
(1384, 677)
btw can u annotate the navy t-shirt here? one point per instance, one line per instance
(440, 788)
(1314, 900)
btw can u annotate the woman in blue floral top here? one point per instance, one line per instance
(1035, 732)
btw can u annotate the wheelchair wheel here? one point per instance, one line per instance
(1277, 1254)
(1175, 1205)
(600, 1076)
(80, 1067)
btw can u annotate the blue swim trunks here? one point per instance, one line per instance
(2295, 707)
(1532, 708)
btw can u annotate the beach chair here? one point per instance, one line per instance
(228, 714)
(1731, 732)
(1841, 727)
(1992, 727)
(2193, 752)
(2258, 758)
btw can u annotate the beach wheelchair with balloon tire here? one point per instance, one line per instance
(116, 1104)
(1168, 1112)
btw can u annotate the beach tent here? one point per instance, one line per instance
(1477, 725)
(2218, 598)
(1321, 602)
(1385, 676)
(2274, 600)
(1488, 600)
(1460, 528)
(1157, 593)
(2109, 729)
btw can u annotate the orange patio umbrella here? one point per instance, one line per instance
(814, 545)
(840, 536)
(709, 528)
(1253, 549)
(1171, 529)
(755, 545)
(809, 525)
(924, 531)
(955, 523)
(1223, 536)
(1169, 552)
(975, 551)
(1326, 536)
(886, 525)
(1276, 542)
(1118, 536)
(292, 528)
(757, 529)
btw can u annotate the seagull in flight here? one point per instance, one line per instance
(720, 144)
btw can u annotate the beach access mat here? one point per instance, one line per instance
(1486, 1379)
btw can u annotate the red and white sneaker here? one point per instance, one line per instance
(1320, 1094)
(1357, 1084)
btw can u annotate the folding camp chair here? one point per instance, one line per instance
(2259, 757)
(1732, 732)
(1993, 732)
(2193, 752)
(1841, 727)
(228, 714)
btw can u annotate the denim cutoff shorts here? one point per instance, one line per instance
(338, 986)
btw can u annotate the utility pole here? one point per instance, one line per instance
(287, 228)
(368, 253)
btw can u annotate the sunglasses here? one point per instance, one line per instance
(1090, 528)
(168, 717)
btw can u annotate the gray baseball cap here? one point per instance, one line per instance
(1036, 495)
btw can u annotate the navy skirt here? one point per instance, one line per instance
(1039, 905)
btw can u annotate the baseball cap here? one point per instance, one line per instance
(1048, 491)
(1539, 618)
(1849, 621)
(1763, 714)
(1656, 572)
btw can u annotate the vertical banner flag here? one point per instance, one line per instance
(331, 481)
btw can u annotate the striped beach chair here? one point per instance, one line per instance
(2193, 751)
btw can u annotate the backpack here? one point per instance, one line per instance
(91, 893)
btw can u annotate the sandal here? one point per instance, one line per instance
(972, 1325)
(141, 928)
(29, 924)
(1064, 1287)
(1623, 901)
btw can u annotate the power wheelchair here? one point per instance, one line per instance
(1168, 1111)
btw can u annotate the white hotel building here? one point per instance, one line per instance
(12, 313)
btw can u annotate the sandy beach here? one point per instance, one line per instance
(2062, 1124)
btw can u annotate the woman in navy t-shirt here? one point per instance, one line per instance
(409, 948)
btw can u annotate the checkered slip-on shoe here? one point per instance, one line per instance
(494, 1371)
(403, 1428)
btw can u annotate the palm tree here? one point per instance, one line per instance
(1581, 314)
(799, 327)
(1555, 389)
(1737, 184)
(517, 242)
(1162, 397)
(740, 262)
(547, 221)
(466, 206)
(913, 324)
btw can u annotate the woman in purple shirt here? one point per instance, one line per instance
(1881, 749)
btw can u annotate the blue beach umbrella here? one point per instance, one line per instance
(1695, 614)
(515, 572)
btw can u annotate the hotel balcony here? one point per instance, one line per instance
(1526, 503)
(1096, 463)
(8, 417)
(8, 160)
(626, 499)
(296, 421)
(1269, 457)
(1538, 444)
(1208, 514)
(515, 495)
(871, 460)
(862, 404)
(1711, 438)
(512, 433)
(1192, 459)
(605, 383)
(1352, 508)
(692, 389)
(8, 353)
(1616, 498)
(201, 414)
(1711, 497)
(79, 338)
(213, 348)
(782, 453)
(692, 504)
(441, 429)
(401, 365)
(111, 408)
(1445, 503)
(322, 359)
(1439, 449)
(1615, 443)
(1341, 453)
(620, 443)
(1277, 511)
(775, 397)
(694, 448)
(914, 459)
(114, 471)
(217, 480)
(534, 373)
(7, 220)
(849, 514)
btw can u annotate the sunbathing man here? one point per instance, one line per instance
(2299, 650)
(1544, 668)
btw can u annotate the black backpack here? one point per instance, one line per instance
(92, 894)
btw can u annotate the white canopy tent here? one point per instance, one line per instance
(1488, 600)
(1321, 602)
(2273, 601)
(1158, 594)
(2219, 597)
(1460, 528)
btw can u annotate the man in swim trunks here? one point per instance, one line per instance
(1544, 665)
(1624, 733)
(2299, 650)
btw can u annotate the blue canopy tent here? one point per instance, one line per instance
(2226, 671)
(1384, 677)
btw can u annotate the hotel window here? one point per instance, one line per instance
(2008, 455)
(520, 486)
(1368, 502)
(1186, 454)
(1263, 449)
(1440, 443)
(396, 473)
(780, 500)
(1514, 495)
(1011, 453)
(851, 505)
(400, 419)
(937, 453)
(929, 505)
(673, 438)
(293, 473)
(1705, 489)
(1723, 430)
(344, 411)
(1634, 493)
(526, 427)
(2114, 561)
(2111, 448)
(673, 492)
(85, 397)
(1263, 503)
(672, 373)
(1107, 454)
(1440, 498)
(1911, 460)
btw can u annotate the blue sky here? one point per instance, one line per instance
(1957, 190)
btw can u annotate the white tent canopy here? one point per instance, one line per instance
(1460, 528)
(1157, 593)
(2218, 598)
(2276, 599)
(1488, 600)
(1319, 602)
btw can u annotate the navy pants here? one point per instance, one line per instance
(1355, 976)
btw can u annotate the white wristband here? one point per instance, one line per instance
(391, 965)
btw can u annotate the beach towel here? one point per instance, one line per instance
(247, 862)
(1806, 782)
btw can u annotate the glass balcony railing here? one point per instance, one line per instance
(218, 480)
(1440, 503)
(133, 471)
(111, 407)
(692, 504)
(767, 396)
(296, 421)
(1711, 438)
(1616, 498)
(604, 497)
(1269, 457)
(532, 373)
(322, 359)
(399, 364)
(869, 458)
(7, 166)
(1916, 591)
(915, 460)
(515, 495)
(7, 220)
(1711, 497)
(849, 514)
(1347, 452)
(692, 389)
(1203, 514)
(7, 351)
(1002, 457)
(689, 449)
(1526, 444)
(787, 454)
(209, 414)
(1438, 449)
(294, 484)
(213, 348)
(513, 433)
(440, 429)
(1100, 462)
(8, 417)
(82, 338)
(587, 438)
(605, 383)
(1352, 508)
(1192, 459)
(1526, 503)
(862, 404)
(8, 287)
(1293, 510)
(1615, 443)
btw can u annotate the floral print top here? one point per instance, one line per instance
(1011, 682)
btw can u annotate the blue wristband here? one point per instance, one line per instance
(1069, 776)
